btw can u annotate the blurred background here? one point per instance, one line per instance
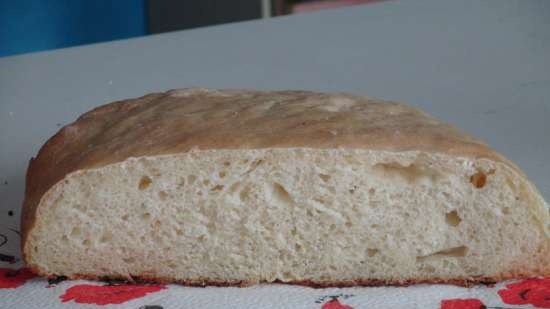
(36, 25)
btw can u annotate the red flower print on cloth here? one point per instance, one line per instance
(107, 294)
(335, 304)
(13, 278)
(469, 303)
(534, 291)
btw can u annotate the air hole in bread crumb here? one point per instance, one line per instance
(374, 226)
(233, 188)
(294, 231)
(206, 182)
(243, 195)
(452, 218)
(179, 232)
(349, 224)
(320, 200)
(125, 217)
(86, 242)
(144, 182)
(163, 195)
(157, 223)
(217, 188)
(75, 231)
(332, 227)
(129, 260)
(429, 269)
(478, 179)
(254, 165)
(506, 210)
(146, 216)
(201, 238)
(221, 174)
(226, 163)
(191, 179)
(297, 247)
(451, 252)
(64, 238)
(281, 195)
(371, 252)
(106, 237)
(324, 177)
(410, 173)
(372, 191)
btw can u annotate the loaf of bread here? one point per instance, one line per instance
(213, 187)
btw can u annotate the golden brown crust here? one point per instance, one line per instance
(180, 120)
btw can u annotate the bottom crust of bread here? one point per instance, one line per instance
(151, 279)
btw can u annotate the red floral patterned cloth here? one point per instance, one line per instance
(20, 288)
(107, 294)
(531, 291)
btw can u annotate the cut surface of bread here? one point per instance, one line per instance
(230, 187)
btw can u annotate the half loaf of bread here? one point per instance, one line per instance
(201, 186)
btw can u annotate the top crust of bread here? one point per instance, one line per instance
(177, 121)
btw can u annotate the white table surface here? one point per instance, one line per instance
(483, 66)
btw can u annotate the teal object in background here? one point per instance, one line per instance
(35, 25)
